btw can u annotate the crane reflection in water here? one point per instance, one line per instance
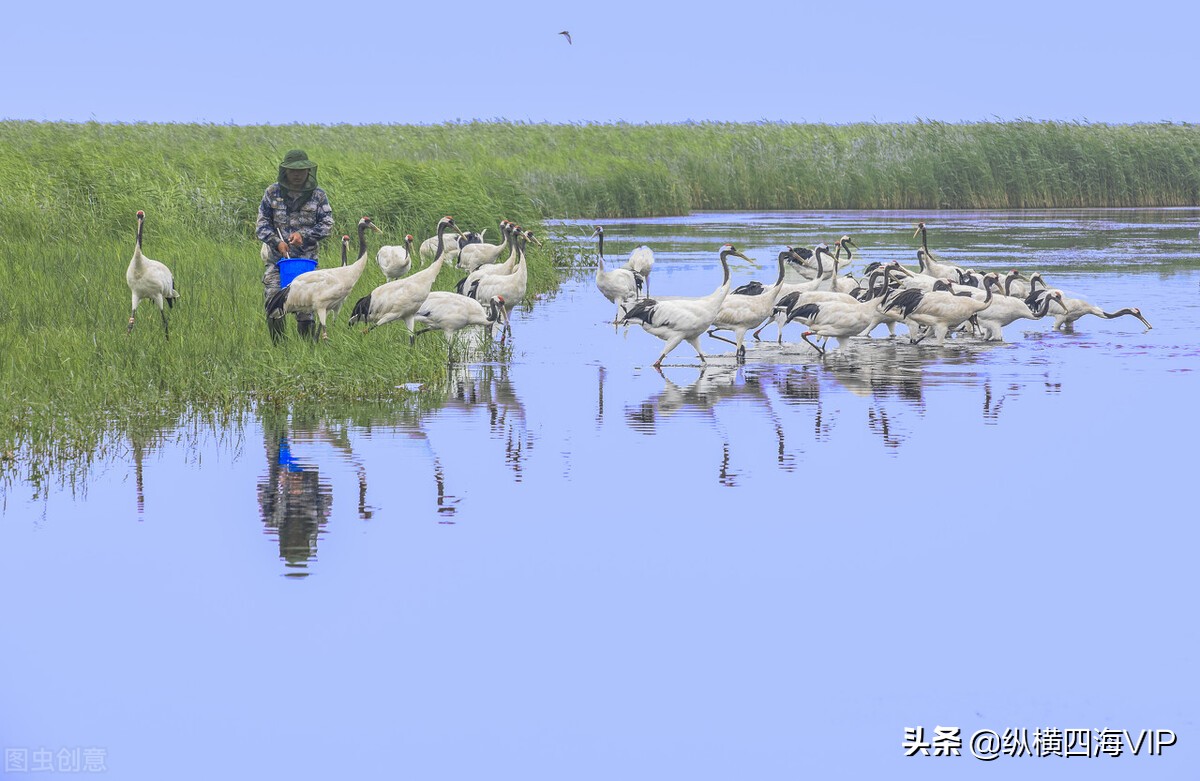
(892, 377)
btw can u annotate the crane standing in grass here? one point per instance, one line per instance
(149, 279)
(509, 287)
(451, 312)
(401, 298)
(395, 261)
(325, 289)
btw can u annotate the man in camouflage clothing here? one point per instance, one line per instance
(293, 217)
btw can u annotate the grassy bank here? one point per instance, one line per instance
(68, 196)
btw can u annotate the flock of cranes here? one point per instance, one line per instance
(935, 300)
(485, 297)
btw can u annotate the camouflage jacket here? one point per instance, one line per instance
(312, 218)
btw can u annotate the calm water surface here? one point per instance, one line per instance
(578, 568)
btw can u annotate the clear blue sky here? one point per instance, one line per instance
(370, 61)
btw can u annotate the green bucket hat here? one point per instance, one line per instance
(298, 160)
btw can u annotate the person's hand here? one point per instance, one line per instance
(282, 248)
(295, 239)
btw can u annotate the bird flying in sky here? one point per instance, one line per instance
(564, 32)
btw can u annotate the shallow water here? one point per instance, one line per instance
(578, 568)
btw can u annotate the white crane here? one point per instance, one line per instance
(820, 282)
(683, 319)
(641, 262)
(1067, 310)
(510, 287)
(741, 312)
(401, 298)
(324, 289)
(149, 279)
(835, 319)
(451, 312)
(509, 230)
(787, 306)
(454, 244)
(1008, 309)
(930, 264)
(1019, 286)
(939, 309)
(472, 256)
(395, 261)
(619, 285)
(843, 245)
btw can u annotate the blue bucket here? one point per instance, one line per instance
(290, 268)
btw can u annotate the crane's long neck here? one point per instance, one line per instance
(137, 245)
(924, 240)
(719, 294)
(510, 239)
(600, 248)
(346, 249)
(987, 296)
(1121, 313)
(522, 267)
(441, 245)
(362, 242)
(873, 283)
(782, 266)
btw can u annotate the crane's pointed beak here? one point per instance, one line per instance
(748, 260)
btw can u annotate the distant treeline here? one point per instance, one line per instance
(83, 178)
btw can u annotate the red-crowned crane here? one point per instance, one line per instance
(938, 309)
(930, 264)
(149, 279)
(451, 312)
(1067, 310)
(1007, 309)
(740, 312)
(509, 230)
(510, 287)
(684, 319)
(472, 256)
(324, 289)
(641, 263)
(395, 261)
(620, 285)
(401, 298)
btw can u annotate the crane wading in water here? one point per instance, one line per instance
(679, 320)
